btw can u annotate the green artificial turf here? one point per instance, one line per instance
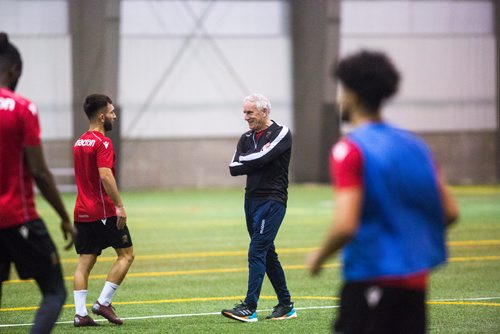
(191, 246)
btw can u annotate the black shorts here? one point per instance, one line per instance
(369, 308)
(93, 237)
(31, 249)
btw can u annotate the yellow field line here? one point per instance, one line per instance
(464, 303)
(474, 243)
(205, 299)
(195, 255)
(245, 252)
(161, 301)
(182, 272)
(241, 270)
(476, 190)
(474, 258)
(177, 300)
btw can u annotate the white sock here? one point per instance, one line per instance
(107, 293)
(80, 301)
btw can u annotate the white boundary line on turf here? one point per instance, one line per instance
(171, 316)
(216, 313)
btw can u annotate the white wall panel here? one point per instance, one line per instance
(40, 31)
(440, 75)
(201, 94)
(445, 51)
(472, 17)
(34, 17)
(432, 17)
(375, 17)
(437, 117)
(219, 17)
(183, 78)
(46, 80)
(248, 18)
(416, 17)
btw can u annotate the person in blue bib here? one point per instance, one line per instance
(392, 208)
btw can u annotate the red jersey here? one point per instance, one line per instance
(346, 170)
(90, 152)
(19, 127)
(346, 164)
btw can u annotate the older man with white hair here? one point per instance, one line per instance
(263, 154)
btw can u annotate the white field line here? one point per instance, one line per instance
(171, 316)
(162, 316)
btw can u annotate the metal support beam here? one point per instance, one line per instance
(316, 34)
(95, 36)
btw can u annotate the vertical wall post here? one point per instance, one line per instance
(95, 44)
(316, 37)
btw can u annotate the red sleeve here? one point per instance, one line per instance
(31, 126)
(346, 164)
(105, 154)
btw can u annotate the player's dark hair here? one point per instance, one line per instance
(95, 102)
(371, 75)
(9, 55)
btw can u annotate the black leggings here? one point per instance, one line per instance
(53, 298)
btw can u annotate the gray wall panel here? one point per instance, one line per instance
(465, 157)
(159, 164)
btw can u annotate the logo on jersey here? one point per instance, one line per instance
(85, 142)
(340, 151)
(23, 230)
(106, 144)
(6, 103)
(373, 296)
(32, 108)
(265, 147)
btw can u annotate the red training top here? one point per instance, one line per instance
(346, 170)
(19, 128)
(90, 152)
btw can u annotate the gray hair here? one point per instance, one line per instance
(260, 101)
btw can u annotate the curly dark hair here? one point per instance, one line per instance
(371, 75)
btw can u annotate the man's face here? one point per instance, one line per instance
(346, 101)
(109, 117)
(14, 73)
(255, 118)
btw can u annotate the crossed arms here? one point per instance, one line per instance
(245, 163)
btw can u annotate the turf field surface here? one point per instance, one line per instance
(190, 263)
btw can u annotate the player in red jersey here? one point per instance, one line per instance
(100, 218)
(24, 239)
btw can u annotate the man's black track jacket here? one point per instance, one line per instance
(265, 162)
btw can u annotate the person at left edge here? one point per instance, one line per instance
(24, 238)
(100, 217)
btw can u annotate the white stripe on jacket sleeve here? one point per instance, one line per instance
(266, 150)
